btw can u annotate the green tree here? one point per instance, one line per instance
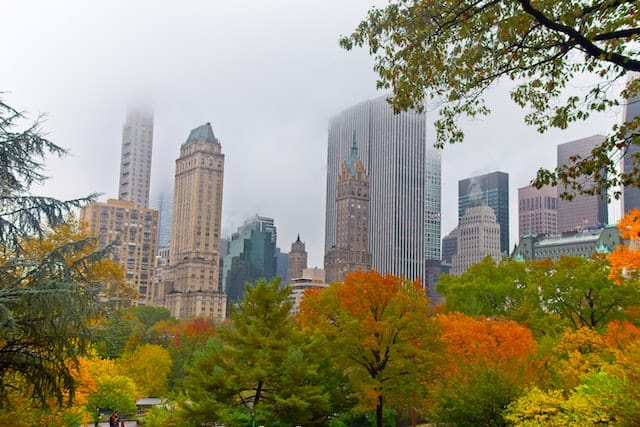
(452, 51)
(46, 299)
(116, 392)
(257, 369)
(504, 289)
(580, 290)
(547, 295)
(378, 330)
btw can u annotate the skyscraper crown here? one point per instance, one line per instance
(202, 133)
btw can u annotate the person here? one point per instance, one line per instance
(122, 424)
(114, 419)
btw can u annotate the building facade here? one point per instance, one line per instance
(135, 229)
(297, 260)
(192, 276)
(537, 210)
(478, 236)
(311, 278)
(582, 211)
(251, 256)
(582, 243)
(630, 193)
(135, 162)
(450, 246)
(404, 183)
(351, 251)
(491, 190)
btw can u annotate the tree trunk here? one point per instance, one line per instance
(379, 412)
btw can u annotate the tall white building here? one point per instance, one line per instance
(135, 163)
(478, 236)
(404, 175)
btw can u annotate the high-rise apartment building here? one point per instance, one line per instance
(192, 276)
(297, 260)
(538, 210)
(251, 256)
(351, 251)
(630, 193)
(478, 236)
(404, 183)
(582, 211)
(491, 190)
(135, 163)
(135, 229)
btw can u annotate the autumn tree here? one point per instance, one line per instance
(378, 330)
(488, 362)
(453, 51)
(258, 368)
(46, 302)
(148, 366)
(625, 259)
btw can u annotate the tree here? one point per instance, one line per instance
(258, 368)
(46, 302)
(579, 290)
(625, 260)
(378, 330)
(546, 295)
(149, 367)
(453, 51)
(489, 361)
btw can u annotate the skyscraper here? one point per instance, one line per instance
(135, 163)
(351, 251)
(538, 210)
(478, 236)
(251, 256)
(191, 279)
(135, 231)
(492, 190)
(404, 183)
(297, 260)
(163, 202)
(583, 210)
(630, 193)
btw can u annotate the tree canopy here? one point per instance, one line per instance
(259, 368)
(453, 51)
(48, 293)
(378, 329)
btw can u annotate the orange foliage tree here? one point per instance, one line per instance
(625, 260)
(488, 362)
(378, 329)
(486, 341)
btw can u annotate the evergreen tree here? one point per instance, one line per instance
(258, 368)
(46, 298)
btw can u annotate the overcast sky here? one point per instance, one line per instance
(268, 75)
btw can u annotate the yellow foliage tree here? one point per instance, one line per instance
(149, 367)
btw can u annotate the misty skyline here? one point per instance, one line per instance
(267, 75)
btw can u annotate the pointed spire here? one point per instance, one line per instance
(298, 238)
(353, 156)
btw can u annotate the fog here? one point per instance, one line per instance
(268, 75)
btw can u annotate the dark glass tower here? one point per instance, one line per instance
(251, 256)
(491, 190)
